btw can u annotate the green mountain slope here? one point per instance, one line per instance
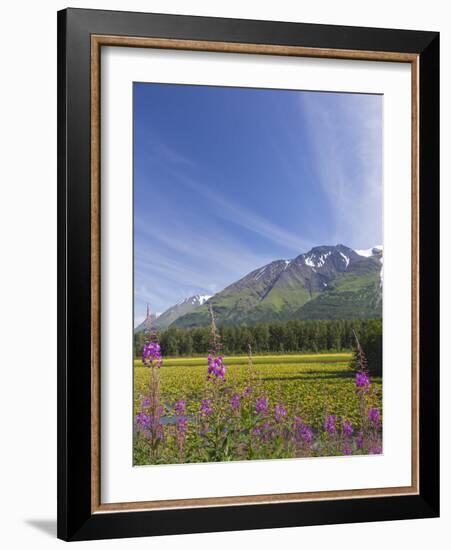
(329, 282)
(348, 297)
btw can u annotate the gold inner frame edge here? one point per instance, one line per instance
(97, 41)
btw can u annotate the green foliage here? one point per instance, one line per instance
(276, 337)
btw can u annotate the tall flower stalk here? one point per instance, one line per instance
(368, 437)
(181, 427)
(216, 367)
(152, 358)
(220, 403)
(362, 381)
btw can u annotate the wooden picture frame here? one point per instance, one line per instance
(81, 35)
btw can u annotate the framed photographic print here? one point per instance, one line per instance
(248, 274)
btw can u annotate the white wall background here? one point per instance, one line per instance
(28, 271)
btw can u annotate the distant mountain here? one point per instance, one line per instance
(174, 312)
(150, 316)
(328, 282)
(179, 310)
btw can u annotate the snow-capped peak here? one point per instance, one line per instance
(368, 252)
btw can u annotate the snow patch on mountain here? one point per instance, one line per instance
(313, 261)
(198, 299)
(309, 261)
(345, 258)
(368, 252)
(260, 273)
(322, 259)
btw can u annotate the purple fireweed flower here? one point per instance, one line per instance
(347, 428)
(158, 431)
(150, 425)
(235, 401)
(206, 408)
(280, 412)
(247, 391)
(375, 449)
(360, 441)
(265, 432)
(182, 425)
(159, 412)
(347, 449)
(216, 368)
(306, 434)
(180, 407)
(302, 432)
(261, 405)
(145, 403)
(329, 424)
(362, 380)
(142, 421)
(152, 355)
(374, 416)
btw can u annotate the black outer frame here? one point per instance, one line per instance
(75, 520)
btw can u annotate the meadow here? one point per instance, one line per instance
(311, 387)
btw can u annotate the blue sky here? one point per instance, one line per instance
(229, 179)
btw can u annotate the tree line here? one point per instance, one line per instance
(275, 337)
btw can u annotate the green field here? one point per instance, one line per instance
(310, 386)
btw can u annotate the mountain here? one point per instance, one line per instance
(174, 312)
(179, 310)
(328, 282)
(150, 316)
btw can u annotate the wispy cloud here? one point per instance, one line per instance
(248, 219)
(181, 262)
(166, 154)
(158, 150)
(346, 141)
(204, 244)
(187, 257)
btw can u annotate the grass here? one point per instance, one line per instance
(310, 385)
